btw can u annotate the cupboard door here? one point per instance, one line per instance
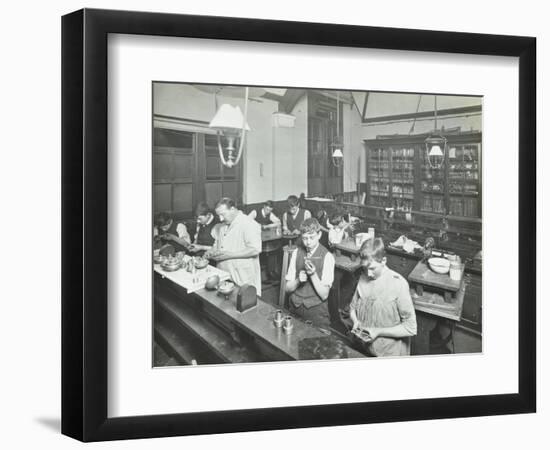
(464, 180)
(378, 172)
(402, 177)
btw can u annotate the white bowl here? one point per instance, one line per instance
(226, 287)
(439, 265)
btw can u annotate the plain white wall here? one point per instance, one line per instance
(30, 319)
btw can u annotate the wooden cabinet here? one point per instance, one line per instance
(464, 180)
(400, 175)
(471, 311)
(187, 170)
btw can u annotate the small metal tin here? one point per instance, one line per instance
(287, 327)
(278, 320)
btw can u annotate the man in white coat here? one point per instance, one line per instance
(238, 245)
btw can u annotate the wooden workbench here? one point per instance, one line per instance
(250, 336)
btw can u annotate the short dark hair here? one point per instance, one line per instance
(373, 249)
(310, 225)
(268, 203)
(336, 218)
(203, 209)
(162, 218)
(228, 202)
(292, 200)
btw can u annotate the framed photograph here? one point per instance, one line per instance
(273, 225)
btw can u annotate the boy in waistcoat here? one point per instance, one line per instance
(294, 216)
(338, 230)
(204, 238)
(168, 235)
(310, 276)
(264, 216)
(267, 220)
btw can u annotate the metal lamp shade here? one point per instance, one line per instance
(229, 120)
(435, 151)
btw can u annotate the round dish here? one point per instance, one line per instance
(158, 259)
(439, 265)
(171, 264)
(226, 287)
(200, 263)
(170, 267)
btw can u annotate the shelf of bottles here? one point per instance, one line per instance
(432, 184)
(464, 180)
(400, 175)
(402, 178)
(379, 166)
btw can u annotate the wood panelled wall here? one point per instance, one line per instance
(187, 170)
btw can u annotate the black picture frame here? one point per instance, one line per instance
(84, 224)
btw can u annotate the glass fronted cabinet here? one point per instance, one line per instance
(379, 176)
(402, 178)
(464, 180)
(391, 177)
(400, 175)
(432, 184)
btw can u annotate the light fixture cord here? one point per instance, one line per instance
(218, 133)
(435, 131)
(337, 140)
(435, 111)
(243, 133)
(338, 114)
(415, 114)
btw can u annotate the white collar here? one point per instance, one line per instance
(312, 251)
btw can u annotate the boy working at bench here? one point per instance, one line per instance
(310, 276)
(294, 216)
(382, 306)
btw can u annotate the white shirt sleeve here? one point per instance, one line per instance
(328, 270)
(335, 235)
(253, 235)
(181, 229)
(274, 218)
(252, 214)
(291, 272)
(284, 220)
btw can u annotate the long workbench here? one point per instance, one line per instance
(220, 334)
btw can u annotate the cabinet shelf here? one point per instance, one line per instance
(465, 194)
(399, 164)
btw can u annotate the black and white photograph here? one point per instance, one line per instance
(259, 225)
(296, 224)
